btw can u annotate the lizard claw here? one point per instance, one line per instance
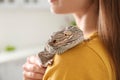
(50, 62)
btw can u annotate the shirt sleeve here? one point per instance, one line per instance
(84, 64)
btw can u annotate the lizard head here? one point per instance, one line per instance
(64, 37)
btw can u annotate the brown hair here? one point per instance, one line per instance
(109, 29)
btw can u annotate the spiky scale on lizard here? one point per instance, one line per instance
(60, 42)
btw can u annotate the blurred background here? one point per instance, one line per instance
(25, 26)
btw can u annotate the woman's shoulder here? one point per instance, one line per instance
(89, 51)
(81, 61)
(92, 46)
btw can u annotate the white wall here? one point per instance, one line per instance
(27, 28)
(12, 70)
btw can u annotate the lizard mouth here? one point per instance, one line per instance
(65, 42)
(72, 41)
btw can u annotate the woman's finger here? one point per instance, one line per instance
(33, 68)
(32, 75)
(34, 60)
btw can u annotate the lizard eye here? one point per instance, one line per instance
(54, 41)
(65, 34)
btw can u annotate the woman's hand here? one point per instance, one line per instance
(32, 70)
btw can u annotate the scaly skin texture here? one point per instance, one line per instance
(60, 42)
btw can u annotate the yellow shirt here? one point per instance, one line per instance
(87, 61)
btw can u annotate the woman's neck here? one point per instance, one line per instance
(87, 22)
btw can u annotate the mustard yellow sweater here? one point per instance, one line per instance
(87, 61)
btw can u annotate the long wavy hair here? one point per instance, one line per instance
(109, 29)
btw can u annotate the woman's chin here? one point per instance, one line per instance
(58, 11)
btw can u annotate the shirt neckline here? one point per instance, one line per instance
(92, 36)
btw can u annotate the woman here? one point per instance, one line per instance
(97, 58)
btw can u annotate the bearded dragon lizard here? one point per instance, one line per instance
(60, 42)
